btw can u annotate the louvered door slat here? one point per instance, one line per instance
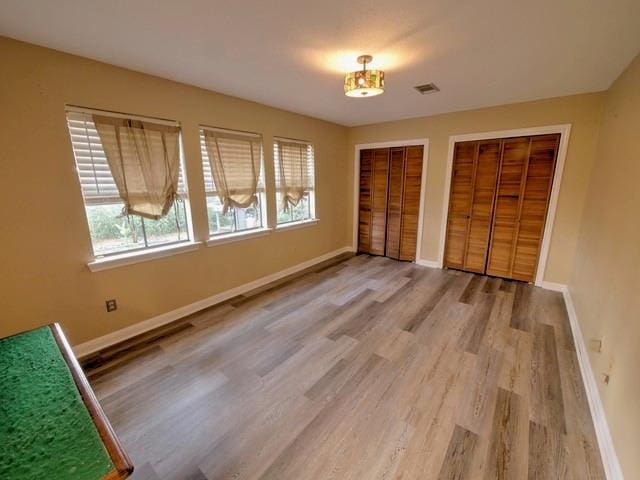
(460, 199)
(366, 178)
(535, 200)
(395, 198)
(379, 201)
(484, 186)
(513, 169)
(411, 202)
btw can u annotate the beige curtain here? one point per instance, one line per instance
(295, 172)
(235, 166)
(144, 159)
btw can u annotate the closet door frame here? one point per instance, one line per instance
(564, 131)
(423, 186)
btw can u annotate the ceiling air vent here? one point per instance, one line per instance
(428, 88)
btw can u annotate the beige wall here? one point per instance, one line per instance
(44, 237)
(581, 111)
(45, 243)
(605, 285)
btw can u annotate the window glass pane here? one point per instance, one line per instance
(218, 222)
(248, 218)
(112, 232)
(169, 229)
(245, 218)
(300, 212)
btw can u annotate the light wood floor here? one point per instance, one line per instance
(367, 369)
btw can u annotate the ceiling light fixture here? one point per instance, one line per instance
(364, 83)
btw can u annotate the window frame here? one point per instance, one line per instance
(313, 217)
(101, 261)
(235, 234)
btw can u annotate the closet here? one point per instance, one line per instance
(498, 204)
(389, 201)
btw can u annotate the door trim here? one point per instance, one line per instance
(423, 184)
(564, 130)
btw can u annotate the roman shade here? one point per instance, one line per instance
(294, 170)
(144, 159)
(235, 160)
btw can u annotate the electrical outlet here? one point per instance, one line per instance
(595, 345)
(111, 305)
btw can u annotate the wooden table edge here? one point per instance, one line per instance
(121, 461)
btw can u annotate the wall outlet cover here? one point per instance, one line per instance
(595, 345)
(111, 305)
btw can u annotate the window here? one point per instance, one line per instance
(238, 150)
(295, 180)
(111, 231)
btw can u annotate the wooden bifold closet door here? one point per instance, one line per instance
(390, 180)
(473, 184)
(374, 173)
(395, 201)
(498, 204)
(522, 199)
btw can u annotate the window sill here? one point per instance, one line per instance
(237, 236)
(295, 225)
(115, 261)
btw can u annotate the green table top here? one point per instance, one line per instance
(45, 429)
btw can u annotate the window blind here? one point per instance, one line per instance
(297, 157)
(96, 181)
(233, 148)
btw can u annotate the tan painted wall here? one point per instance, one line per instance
(581, 111)
(44, 237)
(44, 275)
(45, 243)
(605, 285)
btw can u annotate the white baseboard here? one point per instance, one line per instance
(91, 346)
(427, 263)
(607, 452)
(556, 287)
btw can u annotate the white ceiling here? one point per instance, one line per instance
(292, 54)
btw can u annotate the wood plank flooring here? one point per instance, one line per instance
(366, 369)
